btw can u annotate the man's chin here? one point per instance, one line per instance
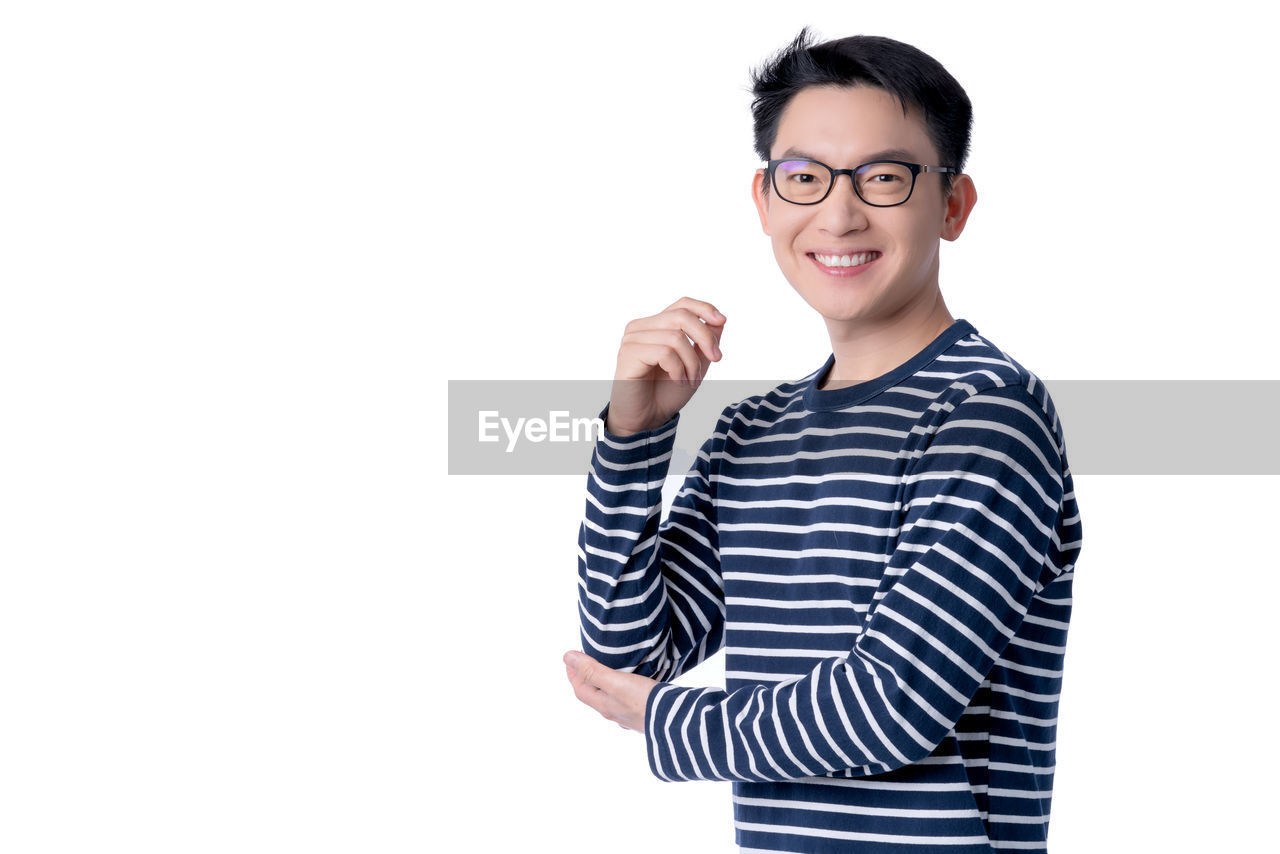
(834, 309)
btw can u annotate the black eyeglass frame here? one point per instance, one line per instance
(915, 168)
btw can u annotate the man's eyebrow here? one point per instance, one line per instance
(886, 154)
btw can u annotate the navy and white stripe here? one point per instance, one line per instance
(888, 567)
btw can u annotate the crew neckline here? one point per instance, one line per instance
(821, 399)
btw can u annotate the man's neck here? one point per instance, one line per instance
(867, 352)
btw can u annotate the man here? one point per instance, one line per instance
(884, 548)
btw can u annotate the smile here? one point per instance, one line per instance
(856, 260)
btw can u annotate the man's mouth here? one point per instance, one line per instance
(853, 260)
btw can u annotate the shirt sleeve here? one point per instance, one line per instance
(650, 596)
(980, 536)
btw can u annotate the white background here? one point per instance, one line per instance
(245, 245)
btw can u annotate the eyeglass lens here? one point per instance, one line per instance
(877, 183)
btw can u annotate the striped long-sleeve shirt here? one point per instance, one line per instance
(888, 567)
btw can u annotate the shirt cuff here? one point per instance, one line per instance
(618, 452)
(674, 733)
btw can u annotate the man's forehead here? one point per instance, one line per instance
(880, 154)
(859, 123)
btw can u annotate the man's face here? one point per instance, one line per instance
(844, 128)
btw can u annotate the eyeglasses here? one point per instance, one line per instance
(881, 183)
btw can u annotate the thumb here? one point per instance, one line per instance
(582, 668)
(572, 660)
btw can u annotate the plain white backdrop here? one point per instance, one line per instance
(244, 247)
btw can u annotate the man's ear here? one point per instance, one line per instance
(958, 206)
(758, 196)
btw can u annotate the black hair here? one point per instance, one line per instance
(913, 77)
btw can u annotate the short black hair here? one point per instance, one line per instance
(913, 77)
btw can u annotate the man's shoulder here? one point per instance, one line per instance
(976, 366)
(784, 398)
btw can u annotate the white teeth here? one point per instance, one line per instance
(845, 260)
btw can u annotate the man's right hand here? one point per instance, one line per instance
(661, 363)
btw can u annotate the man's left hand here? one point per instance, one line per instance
(619, 697)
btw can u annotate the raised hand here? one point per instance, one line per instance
(661, 363)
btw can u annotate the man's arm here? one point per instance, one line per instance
(650, 596)
(979, 539)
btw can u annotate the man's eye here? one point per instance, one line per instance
(889, 176)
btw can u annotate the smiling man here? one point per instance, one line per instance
(884, 548)
(854, 249)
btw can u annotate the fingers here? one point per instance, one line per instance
(592, 683)
(698, 320)
(670, 351)
(682, 341)
(586, 671)
(705, 310)
(583, 672)
(618, 696)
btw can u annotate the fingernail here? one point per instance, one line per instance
(571, 659)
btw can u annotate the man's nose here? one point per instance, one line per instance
(843, 204)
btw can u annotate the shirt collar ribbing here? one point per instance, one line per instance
(839, 398)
